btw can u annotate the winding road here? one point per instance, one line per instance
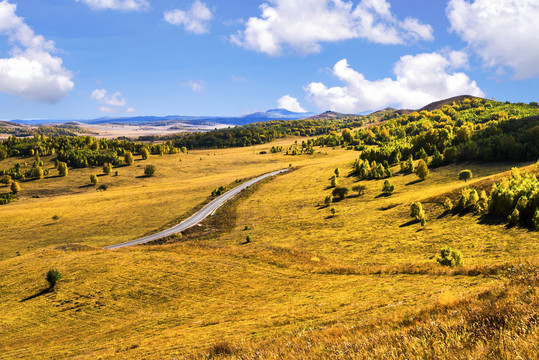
(199, 216)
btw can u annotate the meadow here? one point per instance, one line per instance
(308, 285)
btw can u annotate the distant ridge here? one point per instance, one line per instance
(274, 114)
(329, 115)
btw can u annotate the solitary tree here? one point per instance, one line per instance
(334, 181)
(337, 172)
(149, 170)
(145, 153)
(422, 170)
(52, 277)
(360, 189)
(128, 158)
(328, 200)
(62, 168)
(94, 179)
(465, 175)
(333, 211)
(107, 168)
(388, 188)
(15, 187)
(417, 211)
(340, 192)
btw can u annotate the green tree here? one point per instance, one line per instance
(340, 192)
(449, 257)
(149, 170)
(94, 179)
(6, 179)
(145, 153)
(465, 175)
(52, 277)
(128, 158)
(107, 168)
(388, 188)
(328, 200)
(333, 211)
(417, 211)
(448, 205)
(334, 181)
(337, 172)
(360, 189)
(422, 170)
(15, 187)
(62, 168)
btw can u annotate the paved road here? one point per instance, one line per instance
(199, 216)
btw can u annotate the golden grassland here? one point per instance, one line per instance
(309, 285)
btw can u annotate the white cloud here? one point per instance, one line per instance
(131, 110)
(195, 85)
(420, 79)
(31, 72)
(124, 5)
(107, 109)
(196, 20)
(290, 103)
(504, 33)
(303, 24)
(112, 100)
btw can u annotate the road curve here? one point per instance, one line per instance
(199, 216)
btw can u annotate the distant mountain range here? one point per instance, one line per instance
(274, 114)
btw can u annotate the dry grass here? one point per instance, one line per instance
(309, 285)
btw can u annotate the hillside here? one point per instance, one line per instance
(360, 281)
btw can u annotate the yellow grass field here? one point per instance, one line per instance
(304, 273)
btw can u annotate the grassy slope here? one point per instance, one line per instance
(171, 300)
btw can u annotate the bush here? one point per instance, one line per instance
(417, 211)
(422, 170)
(145, 153)
(388, 188)
(328, 200)
(149, 170)
(103, 187)
(94, 179)
(449, 257)
(15, 187)
(448, 205)
(340, 192)
(53, 276)
(62, 168)
(333, 211)
(6, 179)
(128, 158)
(107, 168)
(465, 175)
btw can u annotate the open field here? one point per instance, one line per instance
(305, 276)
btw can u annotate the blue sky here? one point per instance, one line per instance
(80, 59)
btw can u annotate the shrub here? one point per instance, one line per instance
(145, 153)
(333, 211)
(103, 187)
(448, 205)
(422, 170)
(337, 172)
(417, 211)
(6, 179)
(334, 181)
(328, 200)
(107, 168)
(536, 221)
(465, 175)
(15, 187)
(55, 218)
(388, 188)
(248, 239)
(94, 179)
(116, 173)
(62, 168)
(149, 170)
(53, 276)
(128, 158)
(449, 257)
(340, 192)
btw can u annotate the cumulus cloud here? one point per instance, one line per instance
(290, 103)
(504, 33)
(303, 24)
(420, 79)
(123, 5)
(195, 20)
(195, 85)
(31, 72)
